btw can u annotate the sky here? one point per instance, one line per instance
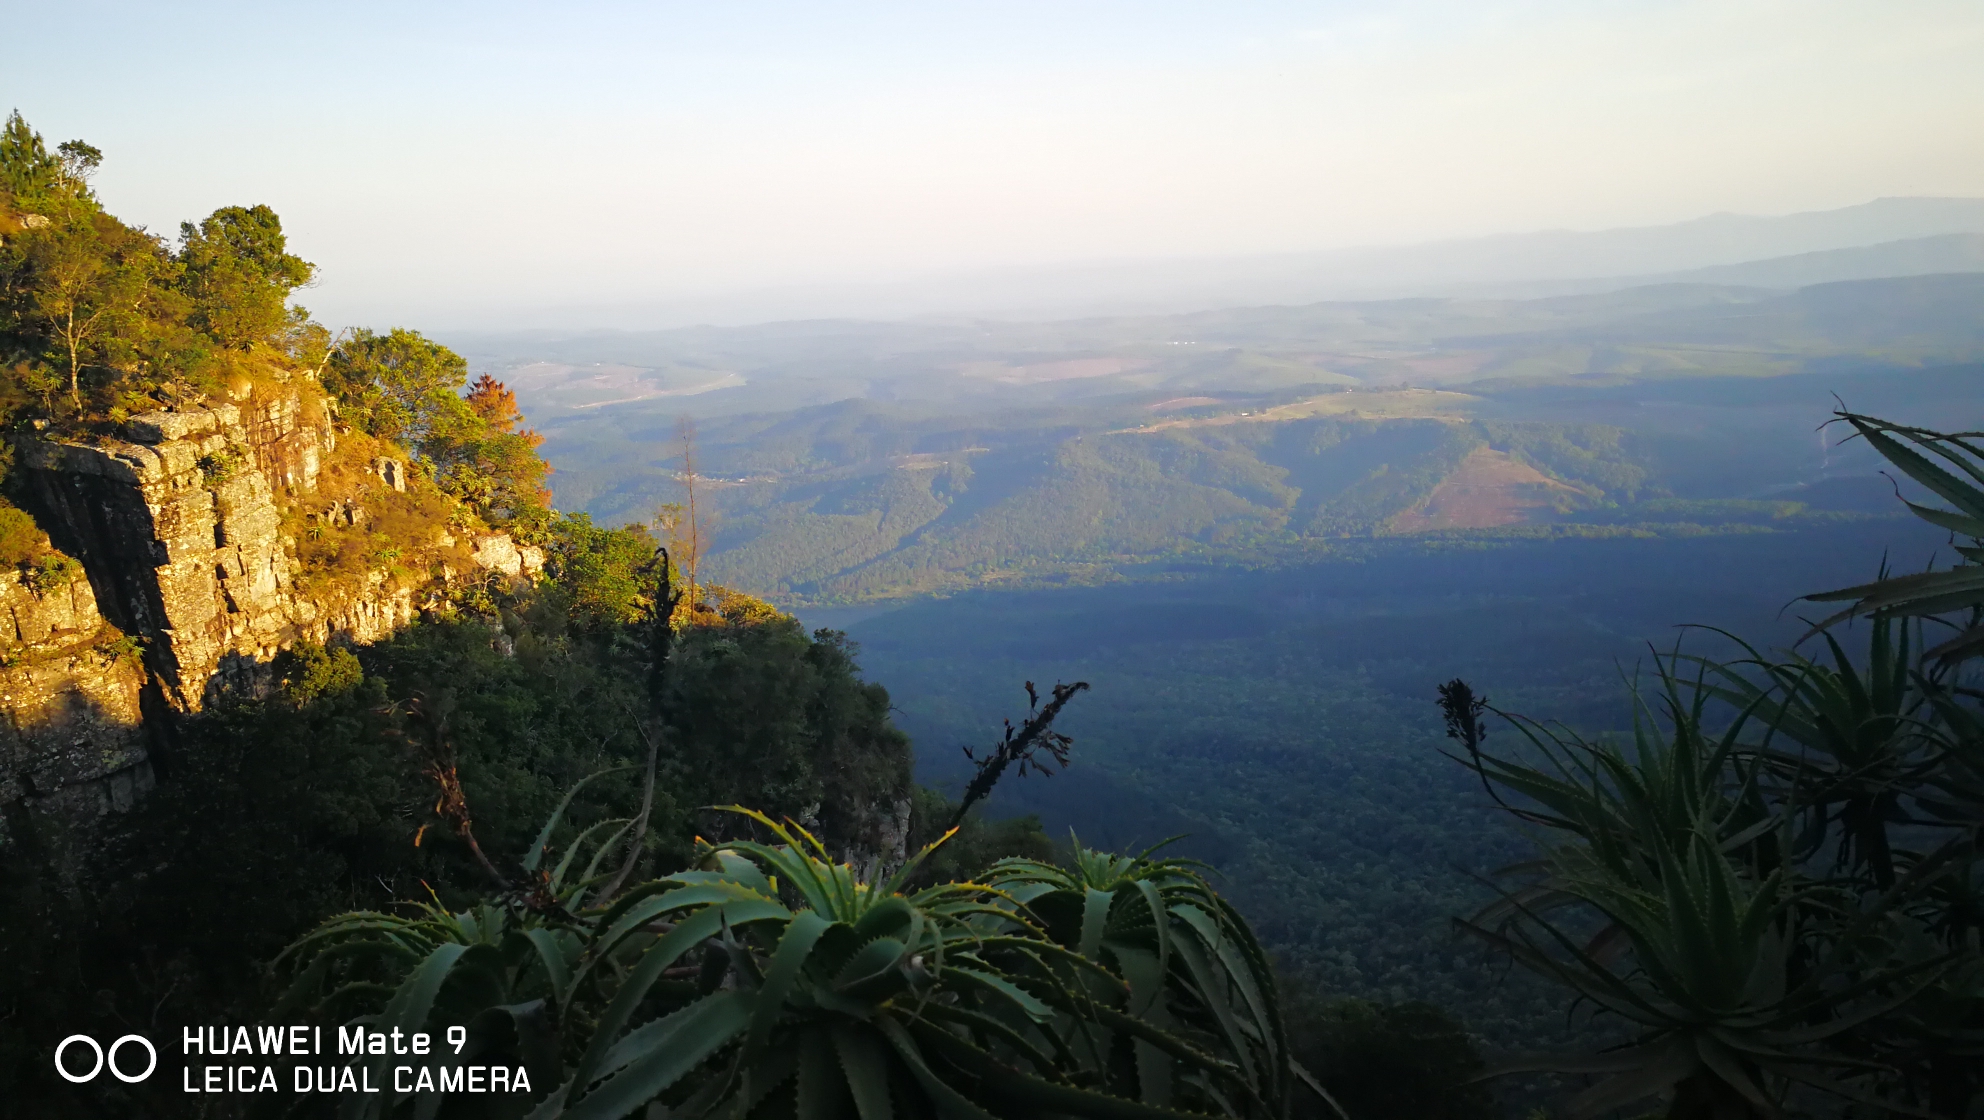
(491, 164)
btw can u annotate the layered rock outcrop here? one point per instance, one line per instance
(179, 528)
(72, 748)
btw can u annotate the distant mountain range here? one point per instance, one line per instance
(1785, 251)
(1915, 256)
(1885, 237)
(581, 385)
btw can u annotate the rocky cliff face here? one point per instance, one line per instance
(72, 748)
(178, 526)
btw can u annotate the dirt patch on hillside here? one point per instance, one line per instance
(1071, 369)
(1488, 489)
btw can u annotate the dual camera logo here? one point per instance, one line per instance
(104, 1058)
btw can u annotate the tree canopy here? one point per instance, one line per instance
(100, 319)
(239, 273)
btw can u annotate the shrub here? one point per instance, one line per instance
(21, 540)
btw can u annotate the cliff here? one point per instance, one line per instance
(192, 579)
(72, 748)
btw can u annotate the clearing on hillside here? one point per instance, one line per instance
(1368, 404)
(1489, 489)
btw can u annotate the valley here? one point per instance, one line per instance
(1264, 547)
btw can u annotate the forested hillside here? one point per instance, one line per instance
(864, 499)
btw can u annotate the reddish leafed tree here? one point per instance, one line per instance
(496, 404)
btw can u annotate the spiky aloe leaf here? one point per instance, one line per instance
(557, 817)
(699, 1031)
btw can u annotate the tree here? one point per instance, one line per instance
(683, 524)
(496, 405)
(79, 163)
(397, 385)
(26, 168)
(87, 292)
(406, 388)
(239, 274)
(483, 458)
(75, 294)
(610, 576)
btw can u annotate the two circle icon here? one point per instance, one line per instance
(106, 1059)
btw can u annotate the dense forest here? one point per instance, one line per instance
(646, 844)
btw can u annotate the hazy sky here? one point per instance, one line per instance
(452, 165)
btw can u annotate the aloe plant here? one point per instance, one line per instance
(1648, 838)
(1681, 887)
(1958, 590)
(1194, 973)
(1852, 739)
(773, 981)
(1667, 897)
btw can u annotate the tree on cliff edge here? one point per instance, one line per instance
(240, 273)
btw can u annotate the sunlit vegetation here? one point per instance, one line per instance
(860, 501)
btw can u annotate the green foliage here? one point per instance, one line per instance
(32, 175)
(762, 710)
(1699, 511)
(406, 389)
(1192, 968)
(773, 981)
(1927, 594)
(1223, 699)
(21, 540)
(1068, 502)
(220, 466)
(1783, 903)
(610, 576)
(312, 672)
(238, 274)
(1600, 457)
(82, 294)
(1675, 848)
(319, 798)
(99, 319)
(53, 570)
(485, 458)
(24, 546)
(496, 472)
(396, 386)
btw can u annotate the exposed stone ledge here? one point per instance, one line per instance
(498, 553)
(158, 427)
(180, 534)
